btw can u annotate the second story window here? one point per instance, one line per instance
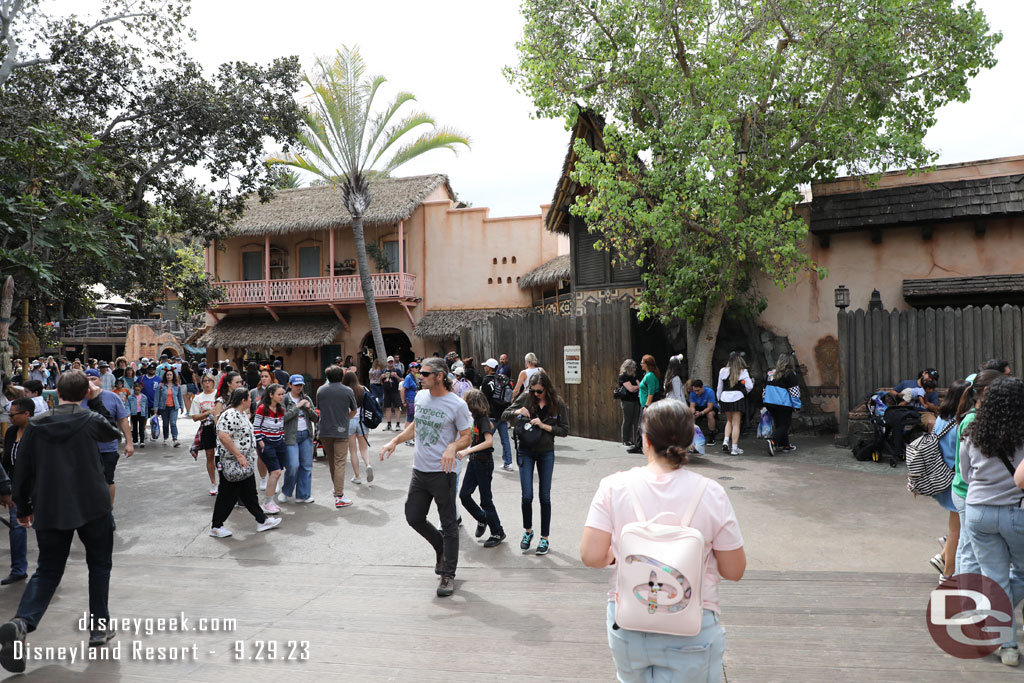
(309, 261)
(252, 265)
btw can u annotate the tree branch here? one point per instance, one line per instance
(680, 53)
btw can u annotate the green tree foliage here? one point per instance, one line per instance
(719, 110)
(109, 128)
(346, 143)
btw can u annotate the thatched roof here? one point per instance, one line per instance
(589, 126)
(267, 333)
(552, 272)
(319, 208)
(448, 323)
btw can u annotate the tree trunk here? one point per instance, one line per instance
(703, 342)
(367, 284)
(6, 308)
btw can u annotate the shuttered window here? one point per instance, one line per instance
(309, 261)
(591, 264)
(626, 273)
(252, 265)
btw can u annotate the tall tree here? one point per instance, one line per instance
(719, 110)
(347, 144)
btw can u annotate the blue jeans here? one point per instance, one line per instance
(298, 473)
(642, 657)
(545, 461)
(997, 535)
(377, 391)
(170, 420)
(478, 475)
(19, 544)
(966, 562)
(54, 546)
(506, 446)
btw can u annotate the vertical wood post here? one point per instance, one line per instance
(266, 269)
(331, 271)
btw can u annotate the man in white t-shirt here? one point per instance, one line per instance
(442, 426)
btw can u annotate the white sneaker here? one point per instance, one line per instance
(263, 484)
(213, 489)
(269, 524)
(304, 500)
(369, 474)
(1010, 656)
(270, 507)
(281, 498)
(736, 450)
(357, 480)
(342, 501)
(219, 532)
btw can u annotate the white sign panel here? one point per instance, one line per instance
(573, 365)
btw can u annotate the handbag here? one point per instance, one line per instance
(620, 392)
(232, 470)
(527, 435)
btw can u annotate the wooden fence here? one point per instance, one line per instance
(880, 348)
(604, 337)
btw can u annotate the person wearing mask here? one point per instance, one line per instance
(111, 408)
(299, 418)
(666, 485)
(21, 410)
(734, 383)
(442, 428)
(532, 368)
(629, 404)
(268, 426)
(169, 404)
(989, 457)
(138, 409)
(480, 470)
(781, 397)
(205, 410)
(358, 441)
(337, 404)
(494, 389)
(539, 410)
(236, 441)
(60, 491)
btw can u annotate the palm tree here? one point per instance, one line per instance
(346, 144)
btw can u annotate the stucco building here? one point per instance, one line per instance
(436, 264)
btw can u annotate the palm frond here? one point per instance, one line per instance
(395, 133)
(442, 138)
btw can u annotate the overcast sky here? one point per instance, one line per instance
(451, 55)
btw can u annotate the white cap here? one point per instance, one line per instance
(459, 371)
(491, 363)
(391, 359)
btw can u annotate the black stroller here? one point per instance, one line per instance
(890, 428)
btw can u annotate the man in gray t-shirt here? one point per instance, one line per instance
(337, 405)
(442, 426)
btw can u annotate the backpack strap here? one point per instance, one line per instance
(949, 426)
(692, 507)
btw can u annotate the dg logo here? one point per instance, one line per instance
(969, 616)
(659, 594)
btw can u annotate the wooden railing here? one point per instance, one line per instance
(347, 288)
(118, 327)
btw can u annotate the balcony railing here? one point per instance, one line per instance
(347, 289)
(118, 327)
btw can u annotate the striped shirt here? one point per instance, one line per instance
(268, 426)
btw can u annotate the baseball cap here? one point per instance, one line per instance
(413, 364)
(459, 371)
(391, 359)
(92, 373)
(491, 363)
(296, 380)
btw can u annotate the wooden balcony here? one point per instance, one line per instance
(347, 289)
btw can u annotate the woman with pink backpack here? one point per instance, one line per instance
(671, 535)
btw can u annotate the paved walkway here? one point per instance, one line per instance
(836, 586)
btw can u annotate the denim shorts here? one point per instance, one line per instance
(641, 656)
(273, 455)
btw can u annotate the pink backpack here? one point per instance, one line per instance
(661, 564)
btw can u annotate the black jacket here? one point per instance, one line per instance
(559, 423)
(58, 476)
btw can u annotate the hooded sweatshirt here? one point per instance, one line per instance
(58, 476)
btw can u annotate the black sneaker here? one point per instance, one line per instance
(437, 564)
(543, 547)
(446, 587)
(494, 540)
(480, 529)
(12, 578)
(100, 638)
(635, 449)
(10, 632)
(527, 540)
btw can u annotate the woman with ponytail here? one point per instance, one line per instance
(734, 383)
(665, 485)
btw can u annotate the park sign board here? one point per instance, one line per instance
(573, 365)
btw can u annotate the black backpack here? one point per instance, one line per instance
(501, 397)
(370, 413)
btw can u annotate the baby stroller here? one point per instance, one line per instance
(889, 431)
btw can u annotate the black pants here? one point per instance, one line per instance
(630, 421)
(229, 493)
(439, 488)
(54, 546)
(139, 428)
(478, 475)
(782, 416)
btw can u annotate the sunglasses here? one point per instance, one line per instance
(427, 373)
(536, 391)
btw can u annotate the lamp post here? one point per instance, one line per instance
(842, 297)
(875, 304)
